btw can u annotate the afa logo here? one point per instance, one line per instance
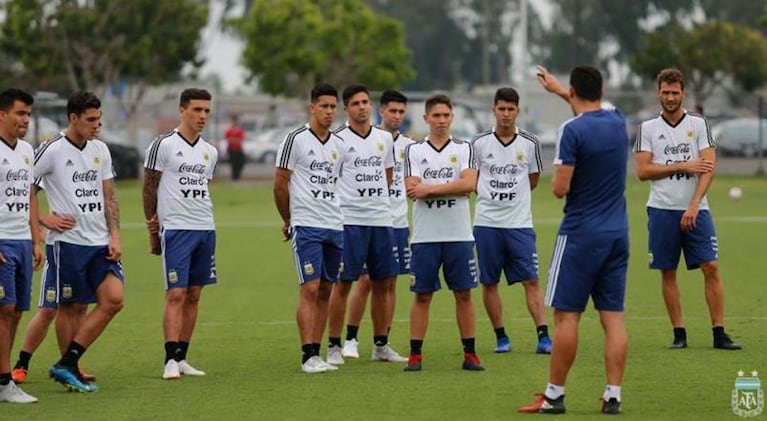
(691, 134)
(380, 148)
(172, 276)
(205, 157)
(308, 268)
(520, 158)
(26, 160)
(747, 399)
(402, 155)
(453, 159)
(333, 157)
(50, 295)
(96, 160)
(2, 292)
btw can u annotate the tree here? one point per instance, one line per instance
(96, 44)
(711, 54)
(293, 44)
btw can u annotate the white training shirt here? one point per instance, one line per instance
(16, 172)
(670, 144)
(446, 218)
(73, 181)
(314, 164)
(362, 187)
(503, 185)
(183, 197)
(397, 196)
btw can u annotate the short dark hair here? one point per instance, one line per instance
(190, 94)
(352, 90)
(9, 96)
(392, 96)
(587, 83)
(323, 89)
(671, 75)
(81, 101)
(506, 94)
(437, 99)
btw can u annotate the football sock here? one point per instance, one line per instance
(334, 341)
(170, 350)
(542, 331)
(380, 340)
(718, 332)
(23, 361)
(500, 332)
(612, 391)
(5, 378)
(183, 347)
(351, 332)
(415, 346)
(72, 355)
(316, 349)
(680, 333)
(468, 345)
(553, 391)
(307, 351)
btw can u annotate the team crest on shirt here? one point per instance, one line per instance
(380, 148)
(205, 157)
(333, 156)
(172, 276)
(453, 159)
(402, 155)
(520, 158)
(308, 268)
(26, 160)
(66, 292)
(691, 134)
(96, 160)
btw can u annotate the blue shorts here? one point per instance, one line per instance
(401, 238)
(370, 250)
(318, 253)
(457, 262)
(188, 258)
(509, 249)
(78, 271)
(667, 239)
(588, 264)
(48, 293)
(16, 273)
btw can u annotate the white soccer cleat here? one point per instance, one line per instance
(387, 353)
(13, 394)
(187, 370)
(171, 371)
(351, 349)
(314, 365)
(334, 355)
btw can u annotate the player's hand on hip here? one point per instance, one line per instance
(59, 223)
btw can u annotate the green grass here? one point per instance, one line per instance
(247, 341)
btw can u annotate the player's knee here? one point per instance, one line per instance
(7, 311)
(112, 305)
(423, 299)
(710, 270)
(462, 296)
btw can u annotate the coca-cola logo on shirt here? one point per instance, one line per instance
(442, 173)
(85, 176)
(326, 166)
(677, 149)
(373, 161)
(193, 169)
(508, 169)
(18, 175)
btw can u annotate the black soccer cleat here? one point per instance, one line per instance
(611, 406)
(726, 343)
(678, 344)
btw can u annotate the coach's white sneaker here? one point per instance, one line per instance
(171, 371)
(314, 365)
(13, 394)
(187, 370)
(334, 355)
(351, 349)
(387, 353)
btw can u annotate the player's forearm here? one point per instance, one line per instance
(149, 193)
(704, 182)
(657, 171)
(34, 217)
(459, 187)
(282, 201)
(112, 213)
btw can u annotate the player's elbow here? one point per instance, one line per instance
(559, 190)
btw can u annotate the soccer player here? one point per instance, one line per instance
(369, 247)
(509, 161)
(305, 195)
(179, 212)
(592, 249)
(20, 250)
(440, 173)
(392, 111)
(76, 171)
(676, 152)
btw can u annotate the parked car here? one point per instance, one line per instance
(740, 137)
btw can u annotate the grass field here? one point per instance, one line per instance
(247, 341)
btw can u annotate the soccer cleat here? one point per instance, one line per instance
(386, 353)
(678, 344)
(186, 369)
(171, 370)
(544, 346)
(503, 345)
(13, 394)
(335, 356)
(314, 365)
(351, 349)
(329, 367)
(611, 406)
(19, 375)
(471, 362)
(414, 363)
(726, 343)
(544, 405)
(70, 379)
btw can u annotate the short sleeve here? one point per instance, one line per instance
(286, 159)
(155, 156)
(567, 143)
